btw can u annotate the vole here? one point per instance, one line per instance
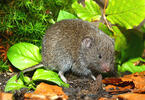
(75, 45)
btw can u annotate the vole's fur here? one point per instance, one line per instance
(74, 45)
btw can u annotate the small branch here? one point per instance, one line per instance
(104, 17)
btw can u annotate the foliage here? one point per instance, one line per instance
(143, 28)
(105, 29)
(24, 55)
(31, 18)
(12, 84)
(129, 43)
(126, 13)
(133, 65)
(3, 66)
(91, 11)
(48, 75)
(65, 15)
(25, 82)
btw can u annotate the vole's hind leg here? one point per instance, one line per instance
(61, 74)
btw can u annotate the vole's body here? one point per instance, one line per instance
(74, 45)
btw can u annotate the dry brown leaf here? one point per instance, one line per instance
(138, 79)
(116, 89)
(114, 81)
(126, 96)
(134, 82)
(46, 92)
(3, 51)
(130, 96)
(6, 96)
(116, 85)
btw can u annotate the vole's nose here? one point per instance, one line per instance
(105, 67)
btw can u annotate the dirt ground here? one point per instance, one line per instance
(81, 88)
(4, 77)
(84, 88)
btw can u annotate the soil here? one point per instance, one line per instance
(85, 88)
(81, 88)
(4, 77)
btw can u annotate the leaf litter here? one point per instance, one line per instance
(128, 87)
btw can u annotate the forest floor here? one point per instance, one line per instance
(80, 88)
(129, 87)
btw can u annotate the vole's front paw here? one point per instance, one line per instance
(93, 77)
(61, 74)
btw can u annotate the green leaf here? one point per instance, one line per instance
(126, 13)
(65, 15)
(23, 55)
(105, 29)
(120, 39)
(143, 29)
(48, 75)
(129, 66)
(120, 43)
(91, 10)
(3, 66)
(135, 44)
(61, 2)
(12, 84)
(129, 43)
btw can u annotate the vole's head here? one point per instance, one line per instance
(99, 52)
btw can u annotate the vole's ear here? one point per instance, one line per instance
(87, 42)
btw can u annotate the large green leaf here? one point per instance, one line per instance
(48, 75)
(91, 10)
(131, 67)
(23, 55)
(120, 39)
(12, 84)
(65, 15)
(120, 43)
(135, 44)
(126, 13)
(105, 29)
(143, 29)
(129, 43)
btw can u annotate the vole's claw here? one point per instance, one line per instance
(70, 82)
(61, 74)
(93, 77)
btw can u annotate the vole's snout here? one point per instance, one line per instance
(105, 67)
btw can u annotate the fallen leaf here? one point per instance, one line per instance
(116, 85)
(6, 96)
(3, 51)
(130, 96)
(133, 82)
(103, 98)
(46, 92)
(138, 79)
(116, 89)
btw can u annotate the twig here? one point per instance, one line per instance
(104, 17)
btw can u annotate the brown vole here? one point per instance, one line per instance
(75, 45)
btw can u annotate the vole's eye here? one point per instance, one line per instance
(99, 56)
